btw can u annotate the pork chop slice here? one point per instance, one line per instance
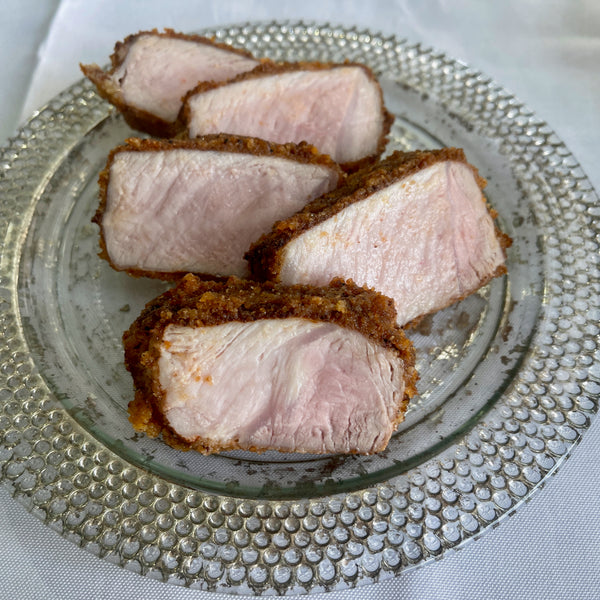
(241, 365)
(152, 71)
(172, 207)
(415, 227)
(338, 108)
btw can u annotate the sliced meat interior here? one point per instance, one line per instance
(240, 365)
(416, 227)
(168, 208)
(152, 71)
(336, 107)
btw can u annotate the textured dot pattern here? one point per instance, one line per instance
(185, 537)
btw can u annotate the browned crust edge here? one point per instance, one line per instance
(265, 256)
(267, 68)
(505, 242)
(136, 118)
(302, 153)
(197, 303)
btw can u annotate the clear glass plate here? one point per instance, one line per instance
(508, 380)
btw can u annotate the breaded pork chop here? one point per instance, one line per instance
(172, 207)
(415, 226)
(152, 71)
(338, 108)
(241, 365)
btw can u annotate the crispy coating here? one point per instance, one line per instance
(197, 303)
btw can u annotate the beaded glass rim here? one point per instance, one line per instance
(146, 524)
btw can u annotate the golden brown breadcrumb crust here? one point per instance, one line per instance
(197, 303)
(265, 256)
(269, 68)
(136, 118)
(302, 153)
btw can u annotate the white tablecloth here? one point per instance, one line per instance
(548, 54)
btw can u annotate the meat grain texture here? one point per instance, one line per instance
(241, 365)
(172, 207)
(338, 108)
(152, 71)
(415, 226)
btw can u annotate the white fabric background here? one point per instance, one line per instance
(548, 54)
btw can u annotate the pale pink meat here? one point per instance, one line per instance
(339, 110)
(186, 210)
(299, 385)
(425, 241)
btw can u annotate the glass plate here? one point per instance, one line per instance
(508, 381)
